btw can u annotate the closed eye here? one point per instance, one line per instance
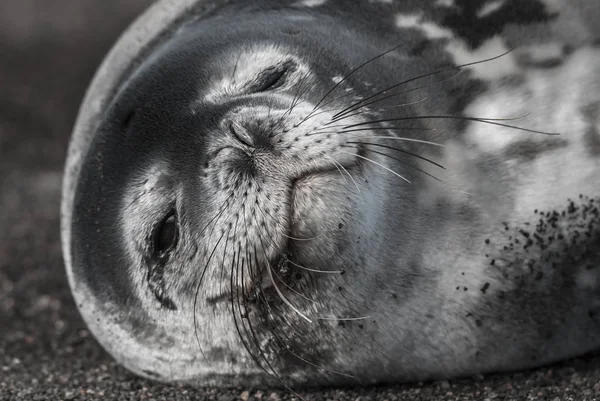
(273, 77)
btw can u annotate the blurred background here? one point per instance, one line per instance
(49, 50)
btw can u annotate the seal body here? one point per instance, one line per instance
(314, 192)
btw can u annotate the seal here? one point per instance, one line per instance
(311, 193)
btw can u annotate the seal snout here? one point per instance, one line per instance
(252, 135)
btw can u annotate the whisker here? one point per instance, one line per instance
(343, 319)
(225, 248)
(359, 106)
(301, 84)
(295, 264)
(399, 138)
(288, 303)
(400, 161)
(282, 297)
(286, 347)
(312, 114)
(354, 70)
(358, 113)
(424, 76)
(218, 216)
(273, 373)
(296, 98)
(416, 168)
(378, 164)
(234, 299)
(344, 131)
(293, 290)
(380, 99)
(194, 308)
(336, 163)
(235, 67)
(490, 121)
(315, 270)
(207, 262)
(242, 301)
(282, 343)
(283, 257)
(402, 151)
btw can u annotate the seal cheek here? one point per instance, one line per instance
(320, 204)
(157, 285)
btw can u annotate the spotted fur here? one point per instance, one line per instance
(365, 192)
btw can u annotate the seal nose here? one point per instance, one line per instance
(256, 134)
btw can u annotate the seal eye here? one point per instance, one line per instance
(273, 78)
(166, 235)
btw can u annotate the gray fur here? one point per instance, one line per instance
(310, 251)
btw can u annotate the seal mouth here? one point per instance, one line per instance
(282, 272)
(277, 273)
(277, 269)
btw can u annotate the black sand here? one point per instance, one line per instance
(49, 50)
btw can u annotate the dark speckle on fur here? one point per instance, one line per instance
(541, 264)
(464, 19)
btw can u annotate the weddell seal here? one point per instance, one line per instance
(324, 192)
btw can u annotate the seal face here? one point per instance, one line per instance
(284, 193)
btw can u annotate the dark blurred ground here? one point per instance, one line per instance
(49, 50)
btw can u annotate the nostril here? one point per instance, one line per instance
(241, 134)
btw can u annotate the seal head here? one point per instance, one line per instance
(223, 217)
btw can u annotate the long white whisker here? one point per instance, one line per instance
(283, 298)
(399, 138)
(378, 164)
(343, 319)
(315, 270)
(380, 108)
(347, 172)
